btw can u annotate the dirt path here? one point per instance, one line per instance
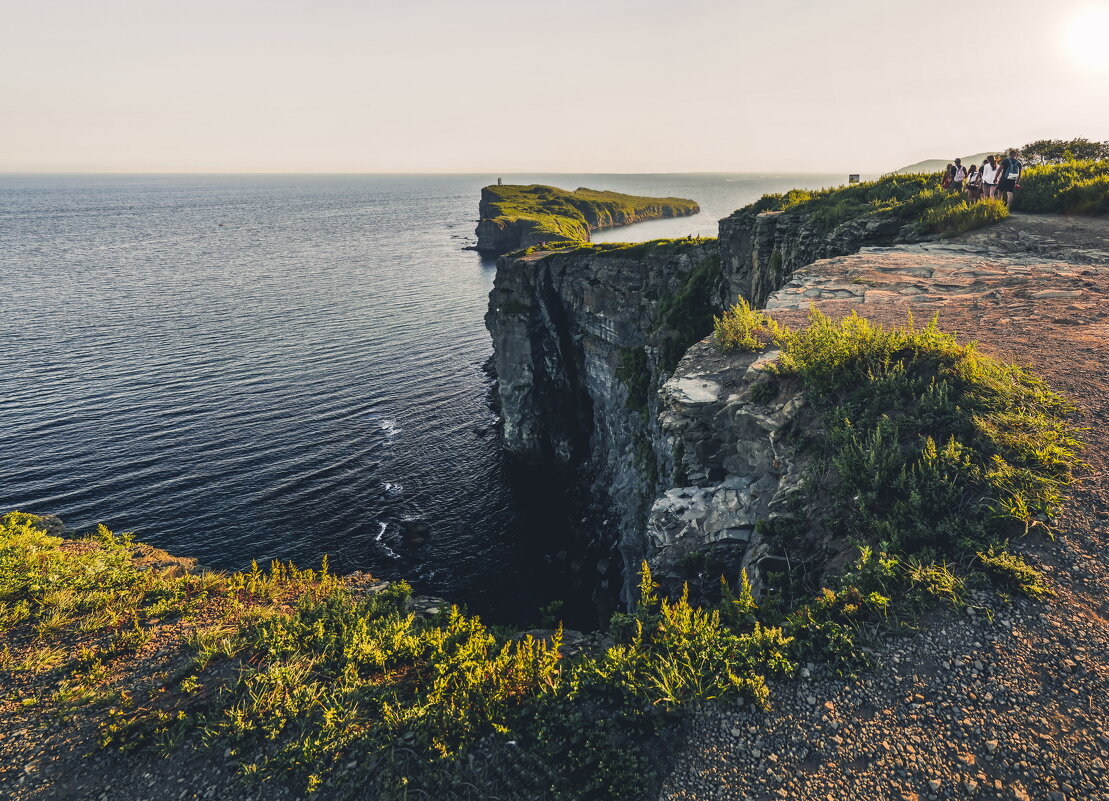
(1012, 700)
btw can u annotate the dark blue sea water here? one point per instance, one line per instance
(256, 367)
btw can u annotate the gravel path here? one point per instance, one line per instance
(1011, 700)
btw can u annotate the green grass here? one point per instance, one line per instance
(928, 455)
(302, 674)
(1074, 187)
(939, 448)
(915, 199)
(562, 216)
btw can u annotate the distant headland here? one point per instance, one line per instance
(515, 217)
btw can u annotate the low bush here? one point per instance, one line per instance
(742, 328)
(960, 216)
(938, 450)
(1072, 187)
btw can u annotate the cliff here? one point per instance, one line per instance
(516, 217)
(759, 250)
(582, 340)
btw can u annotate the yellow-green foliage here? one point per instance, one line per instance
(1073, 187)
(299, 671)
(742, 328)
(1011, 569)
(569, 216)
(961, 216)
(939, 448)
(910, 198)
(91, 590)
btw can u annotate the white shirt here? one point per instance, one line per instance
(989, 174)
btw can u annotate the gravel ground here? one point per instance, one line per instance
(1011, 699)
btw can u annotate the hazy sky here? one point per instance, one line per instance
(560, 85)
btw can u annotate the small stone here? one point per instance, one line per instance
(934, 785)
(991, 745)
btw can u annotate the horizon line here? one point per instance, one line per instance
(422, 172)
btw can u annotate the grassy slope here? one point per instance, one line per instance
(571, 215)
(1080, 187)
(915, 199)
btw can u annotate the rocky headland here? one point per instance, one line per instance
(516, 217)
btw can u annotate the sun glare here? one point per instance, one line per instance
(1087, 39)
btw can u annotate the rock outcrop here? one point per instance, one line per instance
(724, 424)
(759, 251)
(585, 338)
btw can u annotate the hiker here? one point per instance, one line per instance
(948, 175)
(990, 174)
(1011, 168)
(958, 176)
(973, 186)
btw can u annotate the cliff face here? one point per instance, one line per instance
(585, 339)
(726, 424)
(579, 340)
(759, 251)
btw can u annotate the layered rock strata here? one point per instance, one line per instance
(578, 342)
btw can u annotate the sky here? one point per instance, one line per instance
(557, 86)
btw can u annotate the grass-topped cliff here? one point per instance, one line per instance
(514, 217)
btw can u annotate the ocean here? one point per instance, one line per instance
(257, 367)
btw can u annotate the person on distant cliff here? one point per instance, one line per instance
(958, 176)
(990, 172)
(973, 186)
(1011, 168)
(948, 176)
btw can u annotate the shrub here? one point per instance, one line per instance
(960, 217)
(744, 329)
(1011, 569)
(1073, 187)
(938, 448)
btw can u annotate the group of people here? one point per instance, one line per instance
(993, 179)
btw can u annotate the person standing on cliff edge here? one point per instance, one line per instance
(990, 174)
(1011, 168)
(958, 176)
